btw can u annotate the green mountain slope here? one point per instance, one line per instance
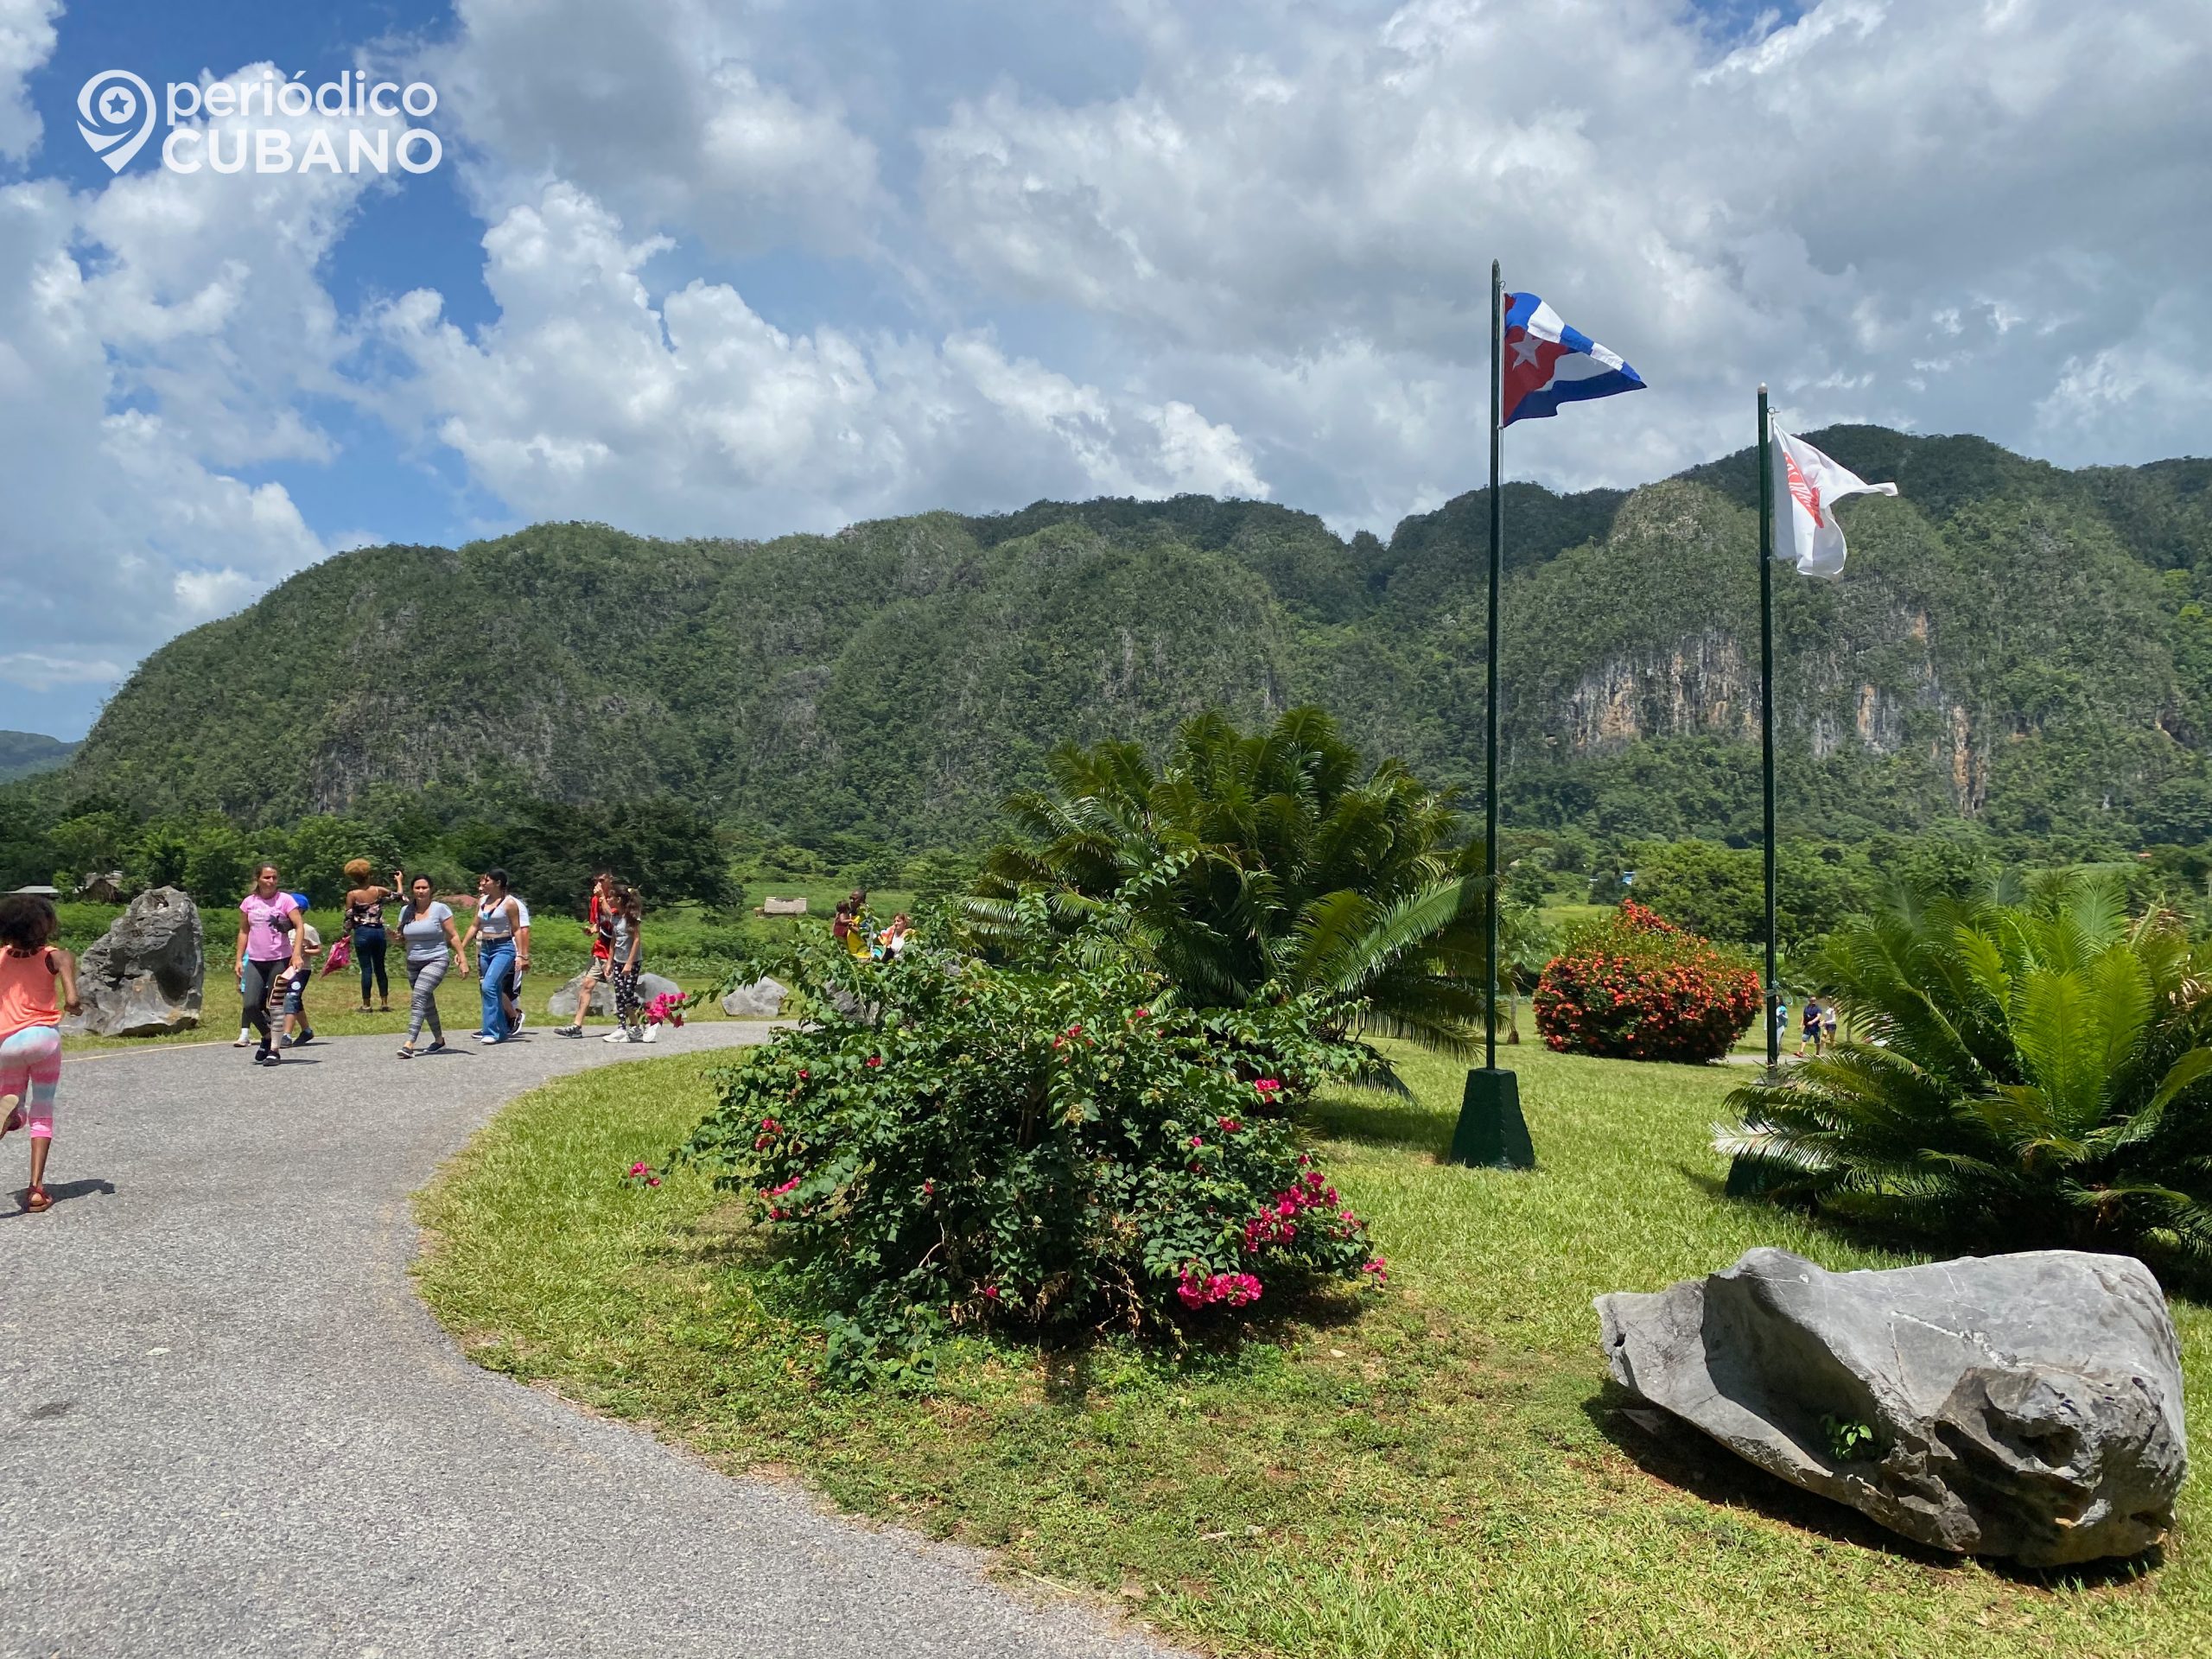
(2013, 643)
(22, 753)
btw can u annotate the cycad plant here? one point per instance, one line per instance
(1254, 866)
(2023, 1075)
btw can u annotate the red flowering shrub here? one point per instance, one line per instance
(1015, 1149)
(1636, 986)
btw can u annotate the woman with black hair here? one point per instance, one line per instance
(425, 934)
(30, 1027)
(270, 944)
(498, 919)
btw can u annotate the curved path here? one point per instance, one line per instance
(228, 1427)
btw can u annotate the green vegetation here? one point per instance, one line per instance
(22, 753)
(1247, 869)
(1636, 986)
(2023, 647)
(2017, 1073)
(1054, 1149)
(1441, 1470)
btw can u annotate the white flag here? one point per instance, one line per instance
(1806, 487)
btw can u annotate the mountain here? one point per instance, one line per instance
(22, 753)
(2013, 643)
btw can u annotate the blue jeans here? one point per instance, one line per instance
(495, 965)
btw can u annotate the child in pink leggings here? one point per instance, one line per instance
(30, 1035)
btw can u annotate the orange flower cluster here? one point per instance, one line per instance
(1639, 987)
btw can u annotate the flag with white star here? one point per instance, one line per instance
(1547, 364)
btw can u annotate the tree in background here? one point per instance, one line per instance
(1249, 866)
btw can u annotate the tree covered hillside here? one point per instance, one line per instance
(2012, 643)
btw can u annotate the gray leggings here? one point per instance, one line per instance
(424, 976)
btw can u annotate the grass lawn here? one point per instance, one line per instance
(1440, 1469)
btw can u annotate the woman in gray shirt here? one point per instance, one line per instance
(426, 931)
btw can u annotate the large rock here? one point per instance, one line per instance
(562, 1002)
(2027, 1405)
(142, 977)
(762, 1000)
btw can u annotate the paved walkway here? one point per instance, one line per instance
(228, 1427)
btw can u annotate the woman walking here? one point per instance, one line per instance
(30, 1020)
(622, 964)
(270, 944)
(598, 918)
(498, 919)
(425, 934)
(365, 928)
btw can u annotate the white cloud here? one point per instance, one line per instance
(653, 108)
(688, 412)
(1822, 204)
(27, 40)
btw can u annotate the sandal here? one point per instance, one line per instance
(13, 1122)
(35, 1199)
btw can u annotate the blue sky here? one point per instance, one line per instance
(693, 267)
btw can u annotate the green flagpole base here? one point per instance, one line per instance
(1491, 1133)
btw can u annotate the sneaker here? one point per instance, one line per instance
(268, 1056)
(488, 1040)
(521, 1019)
(567, 1031)
(246, 1038)
(438, 1048)
(636, 1037)
(308, 1036)
(618, 1035)
(652, 1034)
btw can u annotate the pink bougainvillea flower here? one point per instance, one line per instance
(1196, 1144)
(653, 1180)
(777, 1192)
(876, 1059)
(1141, 1013)
(1228, 1125)
(929, 1189)
(1267, 1087)
(639, 1168)
(991, 1291)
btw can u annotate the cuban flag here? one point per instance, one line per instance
(1547, 364)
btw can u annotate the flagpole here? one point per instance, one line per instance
(1491, 1132)
(1497, 569)
(1766, 713)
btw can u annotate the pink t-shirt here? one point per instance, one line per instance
(264, 940)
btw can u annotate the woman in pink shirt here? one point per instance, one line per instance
(271, 942)
(30, 1035)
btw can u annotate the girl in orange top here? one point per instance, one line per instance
(30, 1035)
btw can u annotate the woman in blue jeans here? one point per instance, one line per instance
(498, 919)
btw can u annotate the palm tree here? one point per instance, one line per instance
(1251, 866)
(2031, 1074)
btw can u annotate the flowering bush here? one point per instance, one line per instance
(1637, 987)
(1007, 1147)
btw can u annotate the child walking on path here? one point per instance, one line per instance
(30, 1022)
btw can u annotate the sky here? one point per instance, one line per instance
(705, 267)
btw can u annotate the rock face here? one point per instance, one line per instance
(564, 1002)
(2027, 1406)
(142, 976)
(762, 1000)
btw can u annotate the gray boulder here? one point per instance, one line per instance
(142, 976)
(762, 1000)
(2027, 1406)
(562, 1002)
